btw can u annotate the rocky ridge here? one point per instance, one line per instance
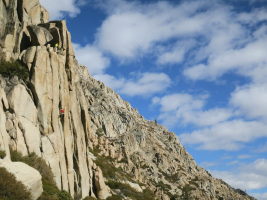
(97, 129)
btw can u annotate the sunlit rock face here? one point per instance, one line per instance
(73, 121)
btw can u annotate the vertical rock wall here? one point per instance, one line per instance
(30, 115)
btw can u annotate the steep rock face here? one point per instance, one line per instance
(30, 111)
(68, 118)
(15, 17)
(146, 150)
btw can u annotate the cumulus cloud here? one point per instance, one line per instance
(188, 109)
(243, 121)
(251, 100)
(133, 29)
(145, 84)
(253, 17)
(91, 57)
(246, 177)
(173, 56)
(138, 28)
(234, 48)
(251, 56)
(228, 135)
(60, 8)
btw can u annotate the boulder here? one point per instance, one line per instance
(135, 186)
(27, 175)
(29, 55)
(102, 190)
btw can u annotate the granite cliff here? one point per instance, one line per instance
(95, 143)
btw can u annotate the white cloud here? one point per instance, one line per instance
(228, 135)
(147, 84)
(246, 177)
(144, 85)
(219, 128)
(253, 17)
(176, 54)
(138, 28)
(243, 59)
(188, 109)
(244, 156)
(251, 100)
(133, 29)
(174, 101)
(91, 57)
(233, 47)
(57, 9)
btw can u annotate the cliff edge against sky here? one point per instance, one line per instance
(95, 143)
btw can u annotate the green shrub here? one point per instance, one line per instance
(51, 192)
(95, 151)
(46, 196)
(130, 192)
(10, 188)
(108, 169)
(2, 154)
(171, 177)
(89, 198)
(14, 68)
(163, 186)
(148, 194)
(186, 192)
(100, 132)
(174, 197)
(113, 174)
(63, 195)
(114, 197)
(114, 184)
(37, 163)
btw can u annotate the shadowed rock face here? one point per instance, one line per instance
(96, 122)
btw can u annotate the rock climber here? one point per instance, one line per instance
(61, 112)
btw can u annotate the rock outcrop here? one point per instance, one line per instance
(73, 121)
(27, 175)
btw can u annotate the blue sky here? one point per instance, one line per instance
(198, 67)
